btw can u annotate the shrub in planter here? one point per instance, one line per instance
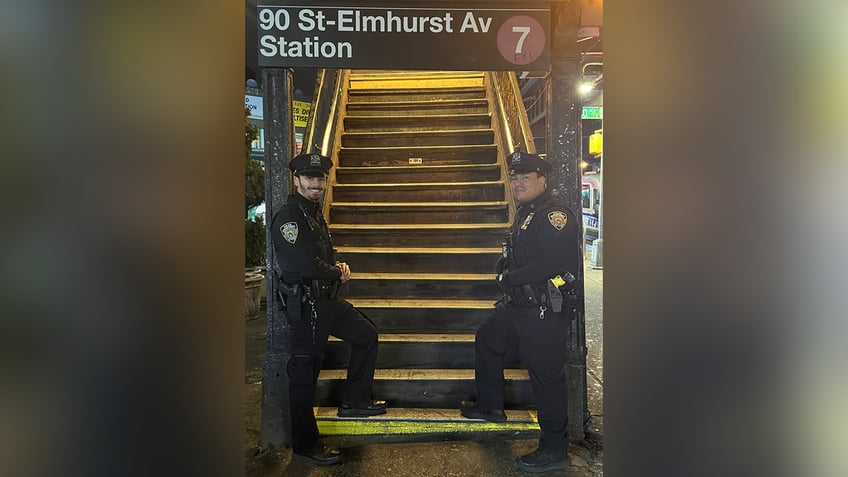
(254, 231)
(254, 194)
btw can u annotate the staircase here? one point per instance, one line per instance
(418, 209)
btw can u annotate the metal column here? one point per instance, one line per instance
(563, 150)
(279, 148)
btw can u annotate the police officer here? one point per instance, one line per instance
(534, 315)
(310, 277)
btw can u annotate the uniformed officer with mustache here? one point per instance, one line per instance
(540, 267)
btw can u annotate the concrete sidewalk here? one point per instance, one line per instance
(460, 454)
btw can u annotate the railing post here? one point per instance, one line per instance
(279, 148)
(563, 151)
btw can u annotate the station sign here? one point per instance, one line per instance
(401, 37)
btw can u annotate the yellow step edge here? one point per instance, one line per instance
(455, 102)
(359, 74)
(458, 147)
(405, 168)
(423, 276)
(361, 427)
(428, 205)
(426, 83)
(418, 303)
(410, 250)
(424, 374)
(400, 421)
(335, 227)
(420, 116)
(416, 184)
(422, 337)
(419, 133)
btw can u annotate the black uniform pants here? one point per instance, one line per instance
(339, 318)
(542, 347)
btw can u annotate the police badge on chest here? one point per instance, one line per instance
(527, 220)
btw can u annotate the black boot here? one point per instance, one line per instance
(539, 461)
(320, 454)
(471, 410)
(373, 409)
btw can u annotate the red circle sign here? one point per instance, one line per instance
(521, 39)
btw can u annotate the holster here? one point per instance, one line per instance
(554, 297)
(290, 297)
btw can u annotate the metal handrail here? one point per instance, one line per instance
(320, 119)
(309, 133)
(512, 112)
(330, 127)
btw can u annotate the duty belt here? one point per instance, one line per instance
(326, 288)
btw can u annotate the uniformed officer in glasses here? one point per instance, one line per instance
(537, 276)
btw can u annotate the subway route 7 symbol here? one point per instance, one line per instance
(521, 39)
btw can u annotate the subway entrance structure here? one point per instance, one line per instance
(418, 105)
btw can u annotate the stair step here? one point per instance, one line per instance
(386, 83)
(432, 234)
(412, 74)
(397, 94)
(406, 421)
(415, 303)
(426, 388)
(416, 351)
(406, 155)
(416, 122)
(418, 212)
(426, 107)
(412, 375)
(455, 137)
(420, 260)
(421, 191)
(417, 174)
(415, 315)
(408, 72)
(478, 286)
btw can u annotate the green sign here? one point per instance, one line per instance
(593, 112)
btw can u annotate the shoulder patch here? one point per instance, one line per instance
(289, 231)
(558, 219)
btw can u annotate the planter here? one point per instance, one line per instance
(252, 294)
(263, 289)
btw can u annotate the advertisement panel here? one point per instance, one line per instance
(254, 104)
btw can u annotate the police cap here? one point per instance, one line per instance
(312, 164)
(524, 162)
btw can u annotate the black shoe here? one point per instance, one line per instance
(471, 410)
(373, 409)
(320, 454)
(539, 461)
